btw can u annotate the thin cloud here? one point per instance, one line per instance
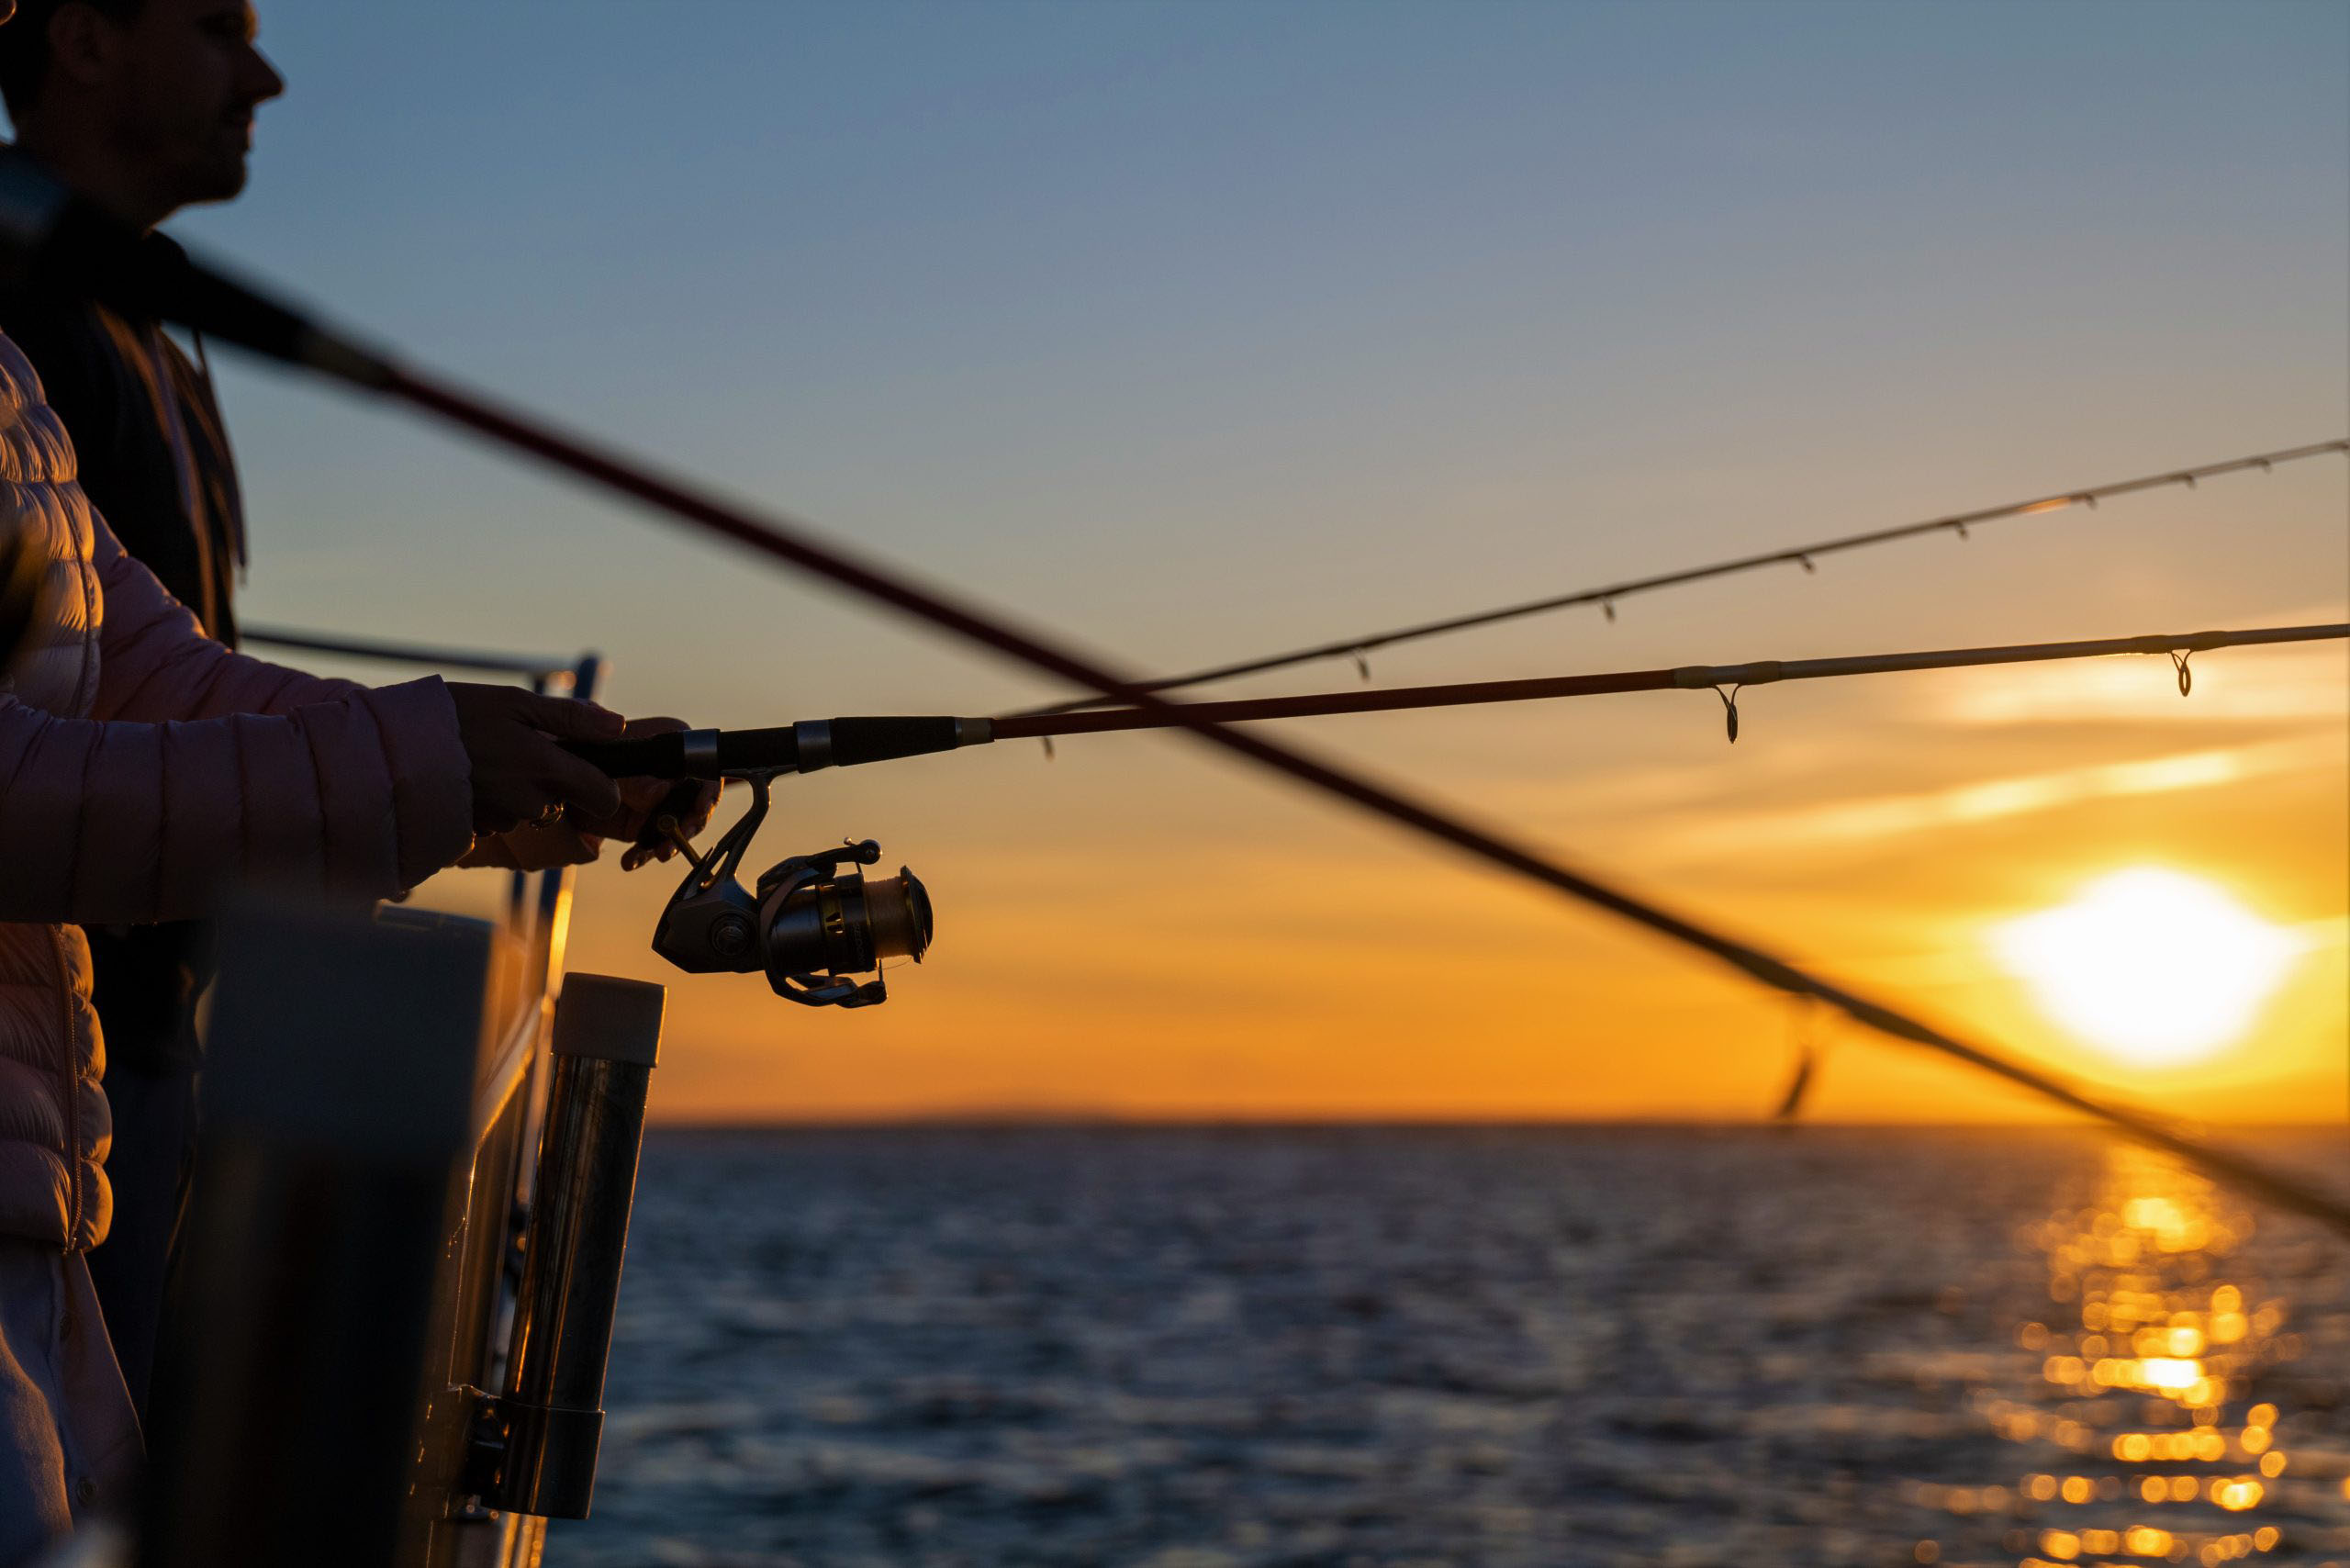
(2306, 681)
(1936, 810)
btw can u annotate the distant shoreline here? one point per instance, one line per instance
(1022, 1120)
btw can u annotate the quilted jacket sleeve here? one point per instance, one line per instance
(155, 663)
(201, 768)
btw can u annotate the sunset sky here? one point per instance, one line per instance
(1201, 330)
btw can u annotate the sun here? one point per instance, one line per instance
(2156, 967)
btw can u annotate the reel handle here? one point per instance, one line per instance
(675, 806)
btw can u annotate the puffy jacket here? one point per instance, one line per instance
(142, 767)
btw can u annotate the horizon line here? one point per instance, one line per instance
(1015, 1120)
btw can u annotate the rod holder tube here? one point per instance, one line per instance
(550, 1419)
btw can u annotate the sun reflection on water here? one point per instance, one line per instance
(2156, 1444)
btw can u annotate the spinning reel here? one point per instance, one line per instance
(813, 923)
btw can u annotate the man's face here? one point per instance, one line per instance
(181, 100)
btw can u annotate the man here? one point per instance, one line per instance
(144, 767)
(146, 106)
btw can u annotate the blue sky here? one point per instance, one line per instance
(1036, 293)
(1197, 328)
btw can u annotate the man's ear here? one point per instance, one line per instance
(85, 45)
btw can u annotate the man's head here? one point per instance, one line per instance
(145, 105)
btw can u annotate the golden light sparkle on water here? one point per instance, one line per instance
(2154, 966)
(2170, 1335)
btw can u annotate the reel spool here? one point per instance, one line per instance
(814, 924)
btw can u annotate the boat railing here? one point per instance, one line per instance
(493, 1400)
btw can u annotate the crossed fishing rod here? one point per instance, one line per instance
(48, 237)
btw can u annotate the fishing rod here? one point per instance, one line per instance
(813, 744)
(814, 927)
(1725, 680)
(1804, 555)
(49, 238)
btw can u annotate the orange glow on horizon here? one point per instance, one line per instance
(1128, 934)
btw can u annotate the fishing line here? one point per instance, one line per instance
(1357, 649)
(47, 237)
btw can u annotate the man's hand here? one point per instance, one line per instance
(533, 846)
(641, 798)
(520, 774)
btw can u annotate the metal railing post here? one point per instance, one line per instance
(547, 1423)
(518, 882)
(555, 884)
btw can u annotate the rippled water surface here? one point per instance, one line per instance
(1193, 1349)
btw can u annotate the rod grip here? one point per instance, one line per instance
(803, 747)
(655, 757)
(881, 739)
(692, 754)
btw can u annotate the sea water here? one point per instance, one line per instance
(1502, 1347)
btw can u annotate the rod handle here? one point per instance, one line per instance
(803, 747)
(693, 754)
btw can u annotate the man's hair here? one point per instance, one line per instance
(24, 45)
